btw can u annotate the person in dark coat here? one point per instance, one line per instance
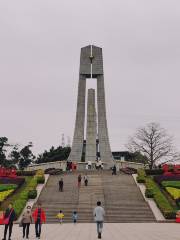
(79, 180)
(11, 216)
(61, 184)
(114, 170)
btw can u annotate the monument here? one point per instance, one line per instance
(97, 139)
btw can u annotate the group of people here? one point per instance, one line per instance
(39, 218)
(28, 216)
(79, 180)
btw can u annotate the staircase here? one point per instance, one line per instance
(122, 200)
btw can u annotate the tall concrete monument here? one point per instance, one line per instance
(91, 66)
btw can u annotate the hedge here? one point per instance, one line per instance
(141, 178)
(175, 184)
(154, 171)
(159, 198)
(32, 194)
(25, 173)
(40, 179)
(5, 187)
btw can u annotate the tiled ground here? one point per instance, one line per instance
(111, 231)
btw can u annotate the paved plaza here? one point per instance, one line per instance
(112, 231)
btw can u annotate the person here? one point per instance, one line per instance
(61, 184)
(9, 218)
(26, 221)
(99, 214)
(60, 216)
(89, 165)
(114, 170)
(86, 180)
(39, 217)
(75, 217)
(79, 180)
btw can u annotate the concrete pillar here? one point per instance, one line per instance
(77, 145)
(91, 131)
(104, 146)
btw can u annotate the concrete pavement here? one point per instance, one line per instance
(111, 231)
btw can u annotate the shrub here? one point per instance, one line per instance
(40, 172)
(32, 194)
(5, 187)
(154, 171)
(48, 170)
(55, 171)
(40, 179)
(141, 178)
(149, 193)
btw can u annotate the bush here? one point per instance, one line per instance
(55, 171)
(154, 171)
(40, 179)
(32, 194)
(48, 170)
(140, 179)
(149, 193)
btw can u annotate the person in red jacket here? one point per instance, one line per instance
(39, 218)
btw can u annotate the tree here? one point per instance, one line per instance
(26, 156)
(15, 155)
(3, 144)
(153, 142)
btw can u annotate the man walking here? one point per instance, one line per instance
(39, 217)
(99, 214)
(61, 184)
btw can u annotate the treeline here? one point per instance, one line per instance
(14, 156)
(54, 154)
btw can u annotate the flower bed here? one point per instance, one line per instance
(174, 184)
(5, 194)
(162, 178)
(154, 191)
(174, 192)
(18, 181)
(5, 187)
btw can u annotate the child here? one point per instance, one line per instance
(60, 216)
(74, 217)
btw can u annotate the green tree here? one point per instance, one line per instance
(3, 144)
(26, 156)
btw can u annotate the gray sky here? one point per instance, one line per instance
(40, 43)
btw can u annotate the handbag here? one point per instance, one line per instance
(6, 220)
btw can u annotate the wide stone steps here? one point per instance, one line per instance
(119, 195)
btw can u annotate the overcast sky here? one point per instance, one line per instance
(40, 43)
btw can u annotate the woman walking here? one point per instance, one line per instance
(9, 218)
(26, 221)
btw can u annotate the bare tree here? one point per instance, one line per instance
(153, 142)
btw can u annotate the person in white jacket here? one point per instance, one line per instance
(99, 214)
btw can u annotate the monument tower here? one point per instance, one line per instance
(91, 66)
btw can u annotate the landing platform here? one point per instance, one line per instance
(112, 231)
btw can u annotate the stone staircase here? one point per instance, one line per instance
(122, 200)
